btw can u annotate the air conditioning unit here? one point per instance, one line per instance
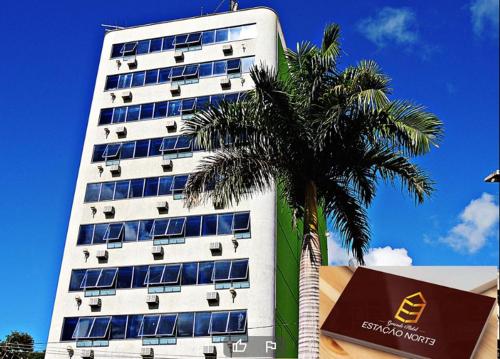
(215, 247)
(157, 251)
(147, 353)
(167, 164)
(170, 124)
(102, 254)
(95, 302)
(126, 95)
(87, 353)
(225, 83)
(162, 206)
(210, 351)
(152, 299)
(121, 131)
(115, 169)
(175, 89)
(179, 55)
(227, 49)
(212, 297)
(130, 61)
(109, 210)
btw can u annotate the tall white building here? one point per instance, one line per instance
(142, 274)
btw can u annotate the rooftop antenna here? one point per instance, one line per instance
(112, 27)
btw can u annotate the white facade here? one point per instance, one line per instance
(258, 299)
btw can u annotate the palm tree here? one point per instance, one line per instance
(327, 137)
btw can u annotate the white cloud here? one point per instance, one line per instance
(478, 222)
(484, 15)
(390, 25)
(385, 256)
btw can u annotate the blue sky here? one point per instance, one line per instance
(444, 56)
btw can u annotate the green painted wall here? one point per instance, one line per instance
(287, 260)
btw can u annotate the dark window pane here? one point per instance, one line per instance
(179, 183)
(106, 116)
(124, 81)
(154, 147)
(149, 324)
(83, 328)
(167, 323)
(233, 66)
(219, 68)
(140, 273)
(168, 144)
(237, 322)
(180, 40)
(161, 109)
(194, 38)
(221, 270)
(147, 111)
(193, 226)
(134, 323)
(219, 322)
(206, 69)
(121, 190)
(99, 231)
(136, 188)
(205, 273)
(85, 234)
(98, 151)
(168, 42)
(239, 270)
(124, 279)
(145, 230)
(138, 79)
(151, 77)
(202, 324)
(190, 70)
(127, 150)
(189, 273)
(209, 226)
(107, 278)
(111, 82)
(151, 188)
(107, 191)
(216, 99)
(118, 325)
(92, 192)
(155, 274)
(176, 226)
(143, 47)
(185, 324)
(241, 222)
(232, 97)
(160, 227)
(129, 48)
(164, 75)
(171, 275)
(116, 50)
(141, 148)
(188, 105)
(174, 108)
(208, 37)
(133, 113)
(119, 115)
(68, 328)
(225, 222)
(76, 279)
(131, 230)
(221, 35)
(91, 277)
(165, 185)
(202, 102)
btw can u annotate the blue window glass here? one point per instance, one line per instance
(111, 82)
(156, 45)
(160, 228)
(98, 151)
(141, 148)
(193, 226)
(208, 37)
(239, 270)
(92, 192)
(107, 277)
(145, 230)
(119, 115)
(194, 38)
(83, 327)
(164, 75)
(172, 274)
(206, 69)
(76, 279)
(168, 144)
(233, 66)
(161, 109)
(221, 270)
(168, 42)
(189, 273)
(247, 63)
(183, 143)
(209, 226)
(90, 279)
(219, 68)
(180, 40)
(129, 48)
(235, 33)
(165, 185)
(174, 108)
(140, 273)
(143, 47)
(202, 102)
(99, 231)
(85, 234)
(106, 116)
(202, 324)
(154, 147)
(179, 183)
(136, 188)
(131, 231)
(100, 327)
(224, 225)
(191, 71)
(116, 50)
(112, 151)
(177, 72)
(221, 35)
(241, 222)
(133, 113)
(218, 324)
(176, 226)
(205, 272)
(233, 97)
(188, 105)
(107, 191)
(124, 81)
(167, 324)
(124, 279)
(121, 190)
(134, 324)
(155, 275)
(138, 79)
(151, 77)
(127, 150)
(118, 326)
(185, 324)
(149, 325)
(237, 322)
(69, 325)
(114, 232)
(151, 187)
(147, 111)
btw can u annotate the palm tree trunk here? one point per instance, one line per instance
(310, 261)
